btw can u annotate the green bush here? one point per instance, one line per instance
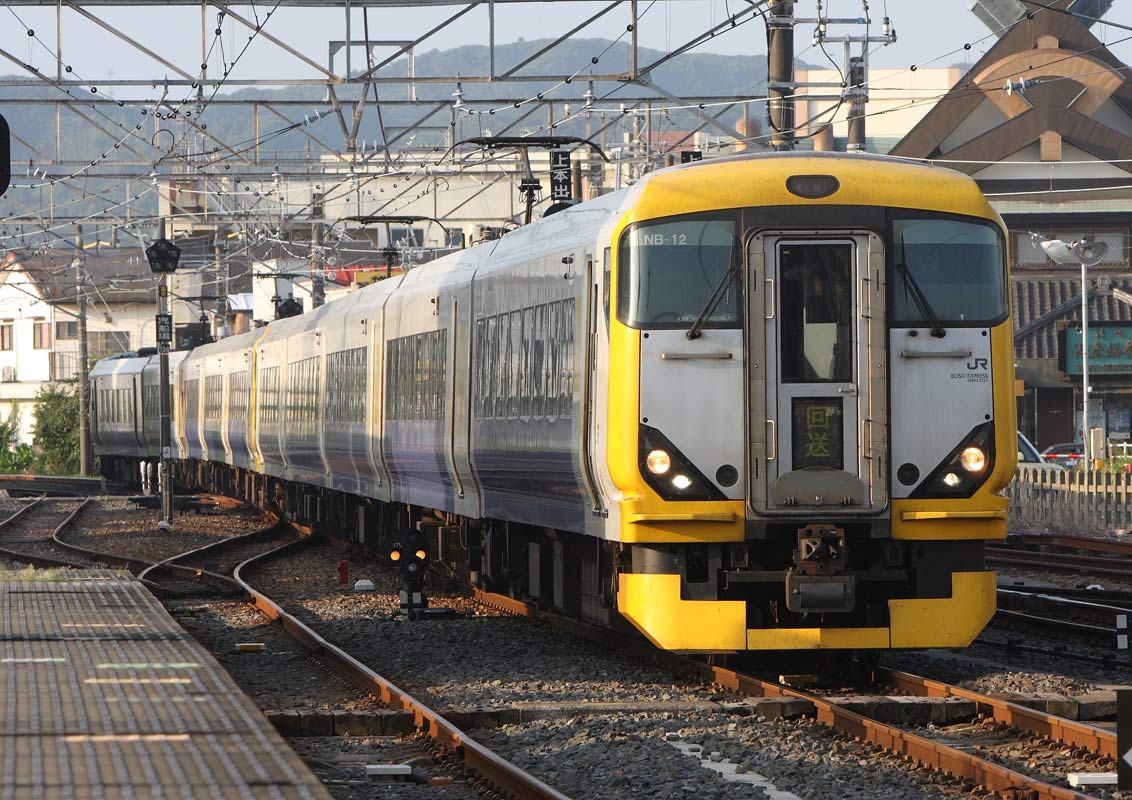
(56, 448)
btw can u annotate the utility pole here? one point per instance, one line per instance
(858, 96)
(84, 387)
(221, 287)
(780, 74)
(318, 281)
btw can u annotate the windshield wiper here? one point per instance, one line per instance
(918, 296)
(712, 302)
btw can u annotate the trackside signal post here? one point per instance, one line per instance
(163, 256)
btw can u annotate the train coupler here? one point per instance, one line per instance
(814, 583)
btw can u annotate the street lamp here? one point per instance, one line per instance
(1087, 254)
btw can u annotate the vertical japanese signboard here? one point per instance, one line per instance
(560, 175)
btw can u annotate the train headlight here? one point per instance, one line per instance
(658, 462)
(670, 473)
(973, 459)
(964, 469)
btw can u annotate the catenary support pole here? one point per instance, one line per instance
(780, 74)
(84, 385)
(166, 399)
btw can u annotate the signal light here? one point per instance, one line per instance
(410, 554)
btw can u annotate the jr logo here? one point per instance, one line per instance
(978, 363)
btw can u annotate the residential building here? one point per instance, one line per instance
(39, 329)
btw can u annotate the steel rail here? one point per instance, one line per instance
(1078, 542)
(1111, 597)
(1021, 597)
(940, 757)
(170, 563)
(451, 739)
(34, 560)
(1061, 562)
(1070, 732)
(1082, 629)
(135, 565)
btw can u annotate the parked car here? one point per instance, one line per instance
(1067, 455)
(1028, 456)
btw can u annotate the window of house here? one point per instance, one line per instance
(67, 330)
(108, 343)
(41, 335)
(6, 336)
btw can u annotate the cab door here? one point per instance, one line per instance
(813, 375)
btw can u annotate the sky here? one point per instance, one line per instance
(928, 33)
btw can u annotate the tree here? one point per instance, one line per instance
(56, 431)
(15, 456)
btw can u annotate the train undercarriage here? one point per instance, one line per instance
(838, 583)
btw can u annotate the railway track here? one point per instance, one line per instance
(31, 534)
(1082, 617)
(953, 753)
(930, 752)
(1060, 562)
(39, 543)
(1065, 553)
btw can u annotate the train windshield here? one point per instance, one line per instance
(958, 265)
(669, 271)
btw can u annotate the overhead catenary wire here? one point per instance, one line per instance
(366, 179)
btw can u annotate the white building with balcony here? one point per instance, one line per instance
(39, 329)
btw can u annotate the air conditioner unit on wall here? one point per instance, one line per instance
(8, 375)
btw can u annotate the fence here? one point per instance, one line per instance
(1070, 500)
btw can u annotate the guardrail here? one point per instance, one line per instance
(1078, 500)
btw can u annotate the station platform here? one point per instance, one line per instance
(104, 695)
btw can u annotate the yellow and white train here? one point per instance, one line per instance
(751, 403)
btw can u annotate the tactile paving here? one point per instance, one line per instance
(103, 695)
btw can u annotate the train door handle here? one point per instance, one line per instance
(772, 440)
(773, 299)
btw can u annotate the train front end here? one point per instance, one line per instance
(811, 412)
